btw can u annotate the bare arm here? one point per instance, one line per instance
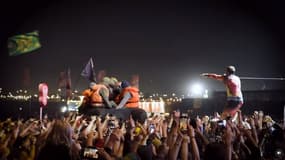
(184, 147)
(195, 149)
(164, 129)
(171, 138)
(213, 76)
(228, 141)
(173, 152)
(123, 102)
(106, 98)
(75, 124)
(254, 132)
(200, 134)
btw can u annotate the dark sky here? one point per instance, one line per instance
(168, 43)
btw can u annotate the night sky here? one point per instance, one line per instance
(167, 43)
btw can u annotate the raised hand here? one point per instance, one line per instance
(204, 74)
(228, 136)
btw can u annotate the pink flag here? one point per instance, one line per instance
(43, 93)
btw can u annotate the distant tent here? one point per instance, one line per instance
(23, 43)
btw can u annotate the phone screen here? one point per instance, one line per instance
(222, 123)
(151, 128)
(90, 153)
(183, 124)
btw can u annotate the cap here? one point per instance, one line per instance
(231, 69)
(125, 84)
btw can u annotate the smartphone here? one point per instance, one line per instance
(151, 128)
(183, 124)
(246, 125)
(222, 123)
(90, 153)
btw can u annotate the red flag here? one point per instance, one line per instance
(68, 85)
(61, 80)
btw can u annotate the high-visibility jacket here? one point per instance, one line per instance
(93, 96)
(133, 102)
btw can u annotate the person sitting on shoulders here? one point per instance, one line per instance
(129, 96)
(98, 96)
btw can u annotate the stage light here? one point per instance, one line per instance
(196, 90)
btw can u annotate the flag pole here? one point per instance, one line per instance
(41, 113)
(92, 70)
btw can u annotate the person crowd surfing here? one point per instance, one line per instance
(113, 97)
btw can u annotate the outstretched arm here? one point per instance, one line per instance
(213, 76)
(123, 102)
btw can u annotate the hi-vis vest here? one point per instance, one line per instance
(93, 96)
(133, 102)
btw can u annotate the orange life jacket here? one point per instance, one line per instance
(133, 102)
(87, 94)
(93, 96)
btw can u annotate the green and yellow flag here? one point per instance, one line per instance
(23, 43)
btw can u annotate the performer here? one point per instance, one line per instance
(233, 88)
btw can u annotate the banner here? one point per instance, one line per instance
(23, 43)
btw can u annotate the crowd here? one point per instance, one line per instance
(162, 136)
(110, 125)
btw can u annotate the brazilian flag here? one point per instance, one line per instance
(23, 43)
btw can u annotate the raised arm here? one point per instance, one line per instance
(213, 76)
(195, 149)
